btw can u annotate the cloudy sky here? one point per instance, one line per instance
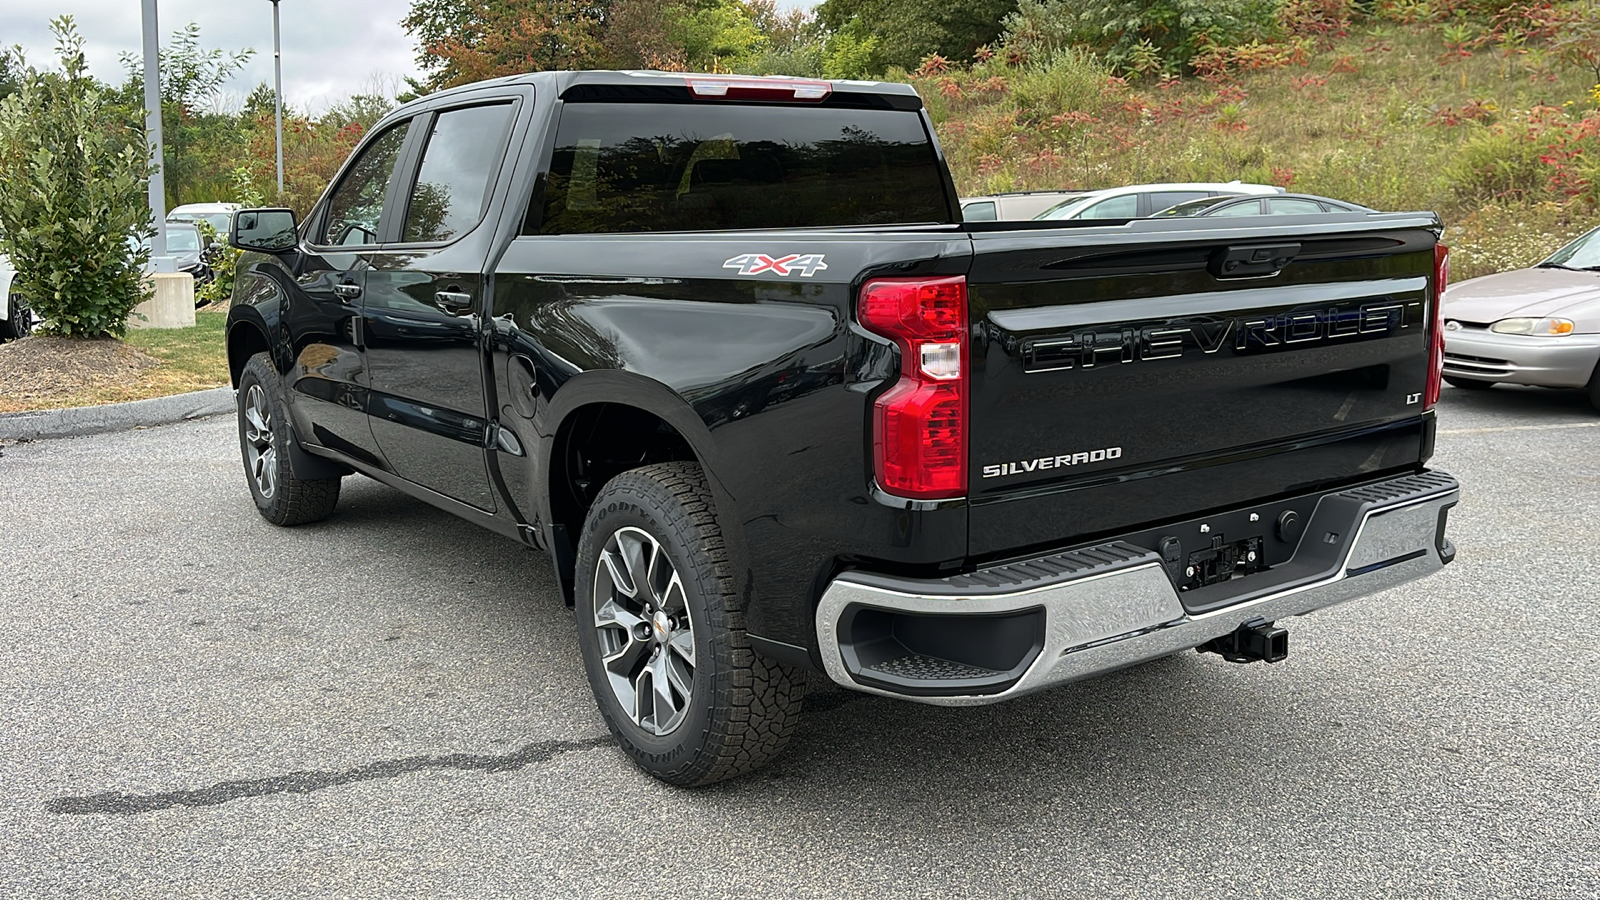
(331, 48)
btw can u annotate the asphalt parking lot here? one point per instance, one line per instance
(391, 704)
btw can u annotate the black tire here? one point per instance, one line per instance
(1468, 384)
(281, 498)
(19, 319)
(1594, 389)
(741, 708)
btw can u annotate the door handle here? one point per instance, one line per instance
(347, 290)
(453, 301)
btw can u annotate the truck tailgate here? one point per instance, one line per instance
(1126, 375)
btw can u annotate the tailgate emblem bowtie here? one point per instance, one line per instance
(781, 266)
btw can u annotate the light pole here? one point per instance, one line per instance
(152, 112)
(277, 91)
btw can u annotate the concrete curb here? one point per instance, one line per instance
(54, 423)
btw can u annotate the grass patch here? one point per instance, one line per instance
(190, 359)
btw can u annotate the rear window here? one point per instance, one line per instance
(631, 167)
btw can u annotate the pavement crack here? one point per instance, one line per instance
(305, 782)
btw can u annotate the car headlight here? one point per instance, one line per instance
(1548, 327)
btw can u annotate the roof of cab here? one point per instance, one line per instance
(560, 82)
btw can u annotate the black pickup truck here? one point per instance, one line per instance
(725, 349)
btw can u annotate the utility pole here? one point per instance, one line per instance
(152, 113)
(277, 92)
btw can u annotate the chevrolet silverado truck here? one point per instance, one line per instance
(726, 350)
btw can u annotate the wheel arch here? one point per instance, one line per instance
(246, 338)
(603, 423)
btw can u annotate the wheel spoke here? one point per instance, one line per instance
(632, 548)
(682, 646)
(666, 705)
(680, 676)
(644, 700)
(671, 595)
(269, 466)
(617, 574)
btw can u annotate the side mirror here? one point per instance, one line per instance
(264, 230)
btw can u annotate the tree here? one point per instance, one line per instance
(902, 32)
(198, 141)
(462, 41)
(10, 71)
(72, 194)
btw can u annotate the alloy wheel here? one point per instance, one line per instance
(645, 630)
(261, 455)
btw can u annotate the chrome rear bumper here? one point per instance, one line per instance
(1102, 608)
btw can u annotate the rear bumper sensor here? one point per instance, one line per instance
(1011, 629)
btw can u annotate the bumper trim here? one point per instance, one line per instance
(1124, 610)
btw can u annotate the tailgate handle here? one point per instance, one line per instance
(1252, 260)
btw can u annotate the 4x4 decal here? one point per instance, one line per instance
(782, 266)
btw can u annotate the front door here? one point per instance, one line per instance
(329, 381)
(423, 303)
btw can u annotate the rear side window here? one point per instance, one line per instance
(979, 212)
(1124, 207)
(632, 167)
(1293, 206)
(463, 154)
(1160, 200)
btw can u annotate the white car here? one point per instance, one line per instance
(1016, 205)
(218, 215)
(1138, 201)
(16, 320)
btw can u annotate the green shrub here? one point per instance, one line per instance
(71, 194)
(1126, 31)
(1496, 162)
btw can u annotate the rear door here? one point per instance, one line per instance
(1126, 375)
(423, 307)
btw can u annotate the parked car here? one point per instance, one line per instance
(777, 413)
(185, 242)
(1536, 326)
(1017, 205)
(218, 215)
(1137, 201)
(16, 319)
(1247, 205)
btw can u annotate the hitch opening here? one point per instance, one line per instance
(1256, 639)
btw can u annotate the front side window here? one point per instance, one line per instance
(463, 154)
(357, 205)
(634, 167)
(1247, 208)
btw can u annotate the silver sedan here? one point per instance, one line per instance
(1538, 326)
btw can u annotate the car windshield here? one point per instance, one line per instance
(1193, 207)
(1067, 209)
(1583, 253)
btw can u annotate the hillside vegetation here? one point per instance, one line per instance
(1495, 134)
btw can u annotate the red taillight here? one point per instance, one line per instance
(775, 88)
(1441, 278)
(919, 429)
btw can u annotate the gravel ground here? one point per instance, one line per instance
(390, 704)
